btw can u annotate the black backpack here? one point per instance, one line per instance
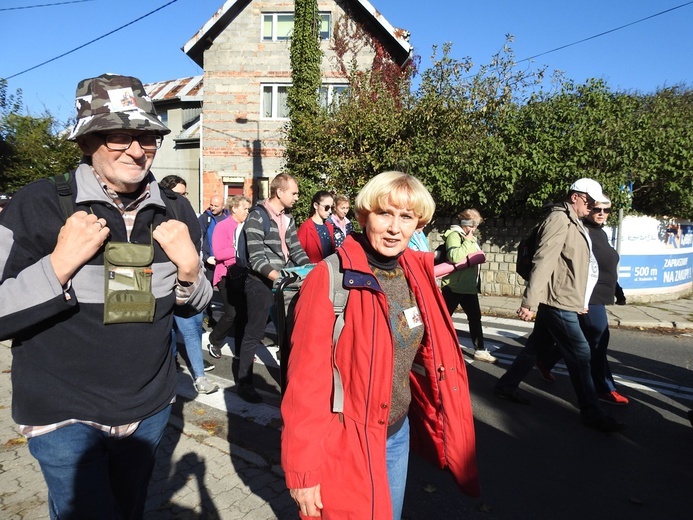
(525, 253)
(440, 253)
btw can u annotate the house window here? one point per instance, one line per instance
(274, 104)
(332, 94)
(280, 26)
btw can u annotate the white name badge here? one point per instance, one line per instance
(413, 317)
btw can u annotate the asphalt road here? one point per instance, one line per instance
(538, 461)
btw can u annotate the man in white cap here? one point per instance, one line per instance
(563, 275)
(88, 288)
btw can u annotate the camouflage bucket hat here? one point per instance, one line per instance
(113, 102)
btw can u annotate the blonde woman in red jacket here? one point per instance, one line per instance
(316, 234)
(402, 372)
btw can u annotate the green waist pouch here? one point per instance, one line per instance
(128, 288)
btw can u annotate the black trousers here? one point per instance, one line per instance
(232, 293)
(470, 306)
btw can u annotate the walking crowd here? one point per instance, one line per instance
(97, 288)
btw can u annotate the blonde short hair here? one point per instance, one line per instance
(339, 198)
(471, 215)
(234, 201)
(401, 190)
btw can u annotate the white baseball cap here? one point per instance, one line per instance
(591, 188)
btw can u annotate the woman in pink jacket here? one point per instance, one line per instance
(230, 285)
(402, 372)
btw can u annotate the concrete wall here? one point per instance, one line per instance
(499, 239)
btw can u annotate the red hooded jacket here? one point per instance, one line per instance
(345, 453)
(310, 241)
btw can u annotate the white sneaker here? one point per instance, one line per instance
(485, 356)
(205, 386)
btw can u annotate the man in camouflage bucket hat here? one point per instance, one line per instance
(92, 394)
(114, 102)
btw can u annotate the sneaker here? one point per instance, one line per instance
(205, 386)
(214, 351)
(207, 365)
(614, 398)
(546, 374)
(604, 424)
(485, 356)
(249, 394)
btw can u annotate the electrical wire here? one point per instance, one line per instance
(43, 5)
(605, 32)
(92, 41)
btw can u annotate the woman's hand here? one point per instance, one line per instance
(308, 500)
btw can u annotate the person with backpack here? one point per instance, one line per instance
(595, 323)
(228, 277)
(395, 368)
(461, 287)
(272, 244)
(563, 276)
(88, 296)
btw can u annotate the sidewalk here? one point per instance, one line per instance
(199, 475)
(674, 315)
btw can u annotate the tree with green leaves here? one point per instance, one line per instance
(302, 100)
(30, 147)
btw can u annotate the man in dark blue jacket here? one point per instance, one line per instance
(87, 292)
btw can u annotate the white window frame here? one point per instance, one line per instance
(330, 88)
(274, 88)
(274, 109)
(325, 16)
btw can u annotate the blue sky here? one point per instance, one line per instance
(642, 57)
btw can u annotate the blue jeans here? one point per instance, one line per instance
(92, 475)
(563, 328)
(191, 330)
(595, 327)
(397, 453)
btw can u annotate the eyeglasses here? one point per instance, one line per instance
(589, 201)
(121, 142)
(601, 210)
(326, 207)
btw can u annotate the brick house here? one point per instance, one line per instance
(244, 52)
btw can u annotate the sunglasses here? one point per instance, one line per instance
(600, 210)
(326, 207)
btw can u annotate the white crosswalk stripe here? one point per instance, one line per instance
(498, 333)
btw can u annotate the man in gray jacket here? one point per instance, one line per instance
(268, 254)
(564, 273)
